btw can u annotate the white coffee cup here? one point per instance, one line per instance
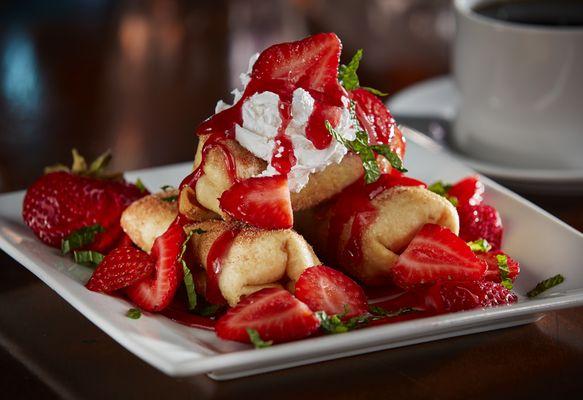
(521, 91)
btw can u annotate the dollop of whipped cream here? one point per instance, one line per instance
(261, 121)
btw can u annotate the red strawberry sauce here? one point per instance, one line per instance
(355, 202)
(214, 265)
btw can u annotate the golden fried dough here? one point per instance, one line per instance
(400, 213)
(149, 217)
(215, 180)
(256, 258)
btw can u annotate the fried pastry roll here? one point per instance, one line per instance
(236, 261)
(364, 236)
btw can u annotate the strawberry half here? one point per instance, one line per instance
(467, 191)
(326, 289)
(311, 63)
(436, 253)
(68, 199)
(263, 202)
(121, 268)
(481, 222)
(378, 122)
(156, 292)
(273, 312)
(493, 271)
(444, 297)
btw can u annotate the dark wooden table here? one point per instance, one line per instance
(138, 77)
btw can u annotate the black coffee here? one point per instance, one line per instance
(561, 13)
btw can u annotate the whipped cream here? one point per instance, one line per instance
(261, 121)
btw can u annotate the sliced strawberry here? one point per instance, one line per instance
(481, 222)
(273, 312)
(493, 271)
(467, 191)
(311, 63)
(156, 292)
(263, 202)
(123, 267)
(444, 297)
(326, 289)
(436, 253)
(378, 122)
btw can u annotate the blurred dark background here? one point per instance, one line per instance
(139, 76)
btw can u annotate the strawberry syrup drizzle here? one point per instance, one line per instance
(178, 312)
(214, 264)
(356, 202)
(283, 158)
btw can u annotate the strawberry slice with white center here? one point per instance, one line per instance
(123, 267)
(156, 292)
(311, 63)
(436, 253)
(325, 289)
(263, 202)
(273, 312)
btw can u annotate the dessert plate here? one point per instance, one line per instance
(544, 245)
(431, 106)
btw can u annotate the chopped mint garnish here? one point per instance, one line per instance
(502, 260)
(381, 312)
(546, 285)
(374, 91)
(80, 238)
(348, 77)
(480, 246)
(188, 280)
(334, 323)
(442, 189)
(140, 185)
(256, 339)
(366, 152)
(169, 199)
(88, 258)
(134, 313)
(209, 310)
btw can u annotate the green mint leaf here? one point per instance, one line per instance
(169, 199)
(390, 155)
(333, 323)
(480, 246)
(502, 260)
(88, 258)
(439, 188)
(374, 91)
(134, 313)
(442, 189)
(381, 312)
(336, 135)
(140, 185)
(209, 310)
(256, 339)
(188, 280)
(546, 285)
(80, 238)
(347, 73)
(371, 169)
(166, 187)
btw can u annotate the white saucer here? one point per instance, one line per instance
(437, 99)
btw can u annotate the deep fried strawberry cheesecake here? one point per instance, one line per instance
(225, 250)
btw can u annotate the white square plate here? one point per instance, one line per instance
(544, 246)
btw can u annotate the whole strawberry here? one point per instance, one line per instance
(481, 222)
(65, 200)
